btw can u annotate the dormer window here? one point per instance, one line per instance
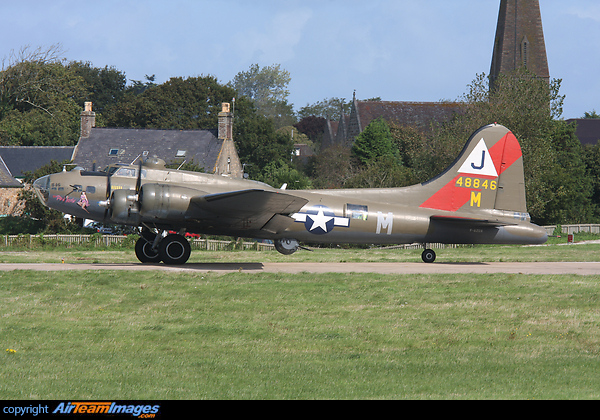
(113, 152)
(181, 153)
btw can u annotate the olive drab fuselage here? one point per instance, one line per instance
(479, 199)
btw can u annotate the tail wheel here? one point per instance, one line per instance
(174, 249)
(145, 253)
(428, 256)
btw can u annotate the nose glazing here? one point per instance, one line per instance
(41, 187)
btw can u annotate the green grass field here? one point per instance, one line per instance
(157, 335)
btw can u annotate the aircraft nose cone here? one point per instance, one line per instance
(41, 187)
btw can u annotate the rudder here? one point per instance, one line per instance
(488, 174)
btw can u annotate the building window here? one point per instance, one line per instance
(525, 51)
(113, 152)
(180, 153)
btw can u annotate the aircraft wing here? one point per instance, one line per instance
(254, 209)
(469, 221)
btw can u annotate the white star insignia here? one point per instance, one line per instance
(319, 220)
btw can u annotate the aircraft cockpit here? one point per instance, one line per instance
(128, 172)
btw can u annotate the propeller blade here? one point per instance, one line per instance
(107, 192)
(138, 183)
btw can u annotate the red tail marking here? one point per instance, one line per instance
(451, 198)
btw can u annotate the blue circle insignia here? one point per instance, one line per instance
(319, 220)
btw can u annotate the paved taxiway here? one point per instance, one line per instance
(580, 268)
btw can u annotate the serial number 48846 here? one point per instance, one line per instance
(479, 184)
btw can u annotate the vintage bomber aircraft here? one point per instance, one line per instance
(479, 199)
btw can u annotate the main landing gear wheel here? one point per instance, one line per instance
(144, 251)
(286, 246)
(174, 249)
(428, 256)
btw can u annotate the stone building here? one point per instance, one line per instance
(213, 150)
(519, 40)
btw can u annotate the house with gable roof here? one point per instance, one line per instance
(212, 149)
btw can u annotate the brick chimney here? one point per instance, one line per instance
(225, 123)
(88, 120)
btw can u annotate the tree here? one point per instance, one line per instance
(137, 86)
(381, 172)
(38, 99)
(278, 173)
(257, 141)
(32, 79)
(263, 84)
(314, 129)
(102, 86)
(571, 181)
(267, 87)
(374, 142)
(181, 104)
(591, 115)
(591, 156)
(327, 108)
(331, 168)
(41, 96)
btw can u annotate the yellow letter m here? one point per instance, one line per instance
(475, 199)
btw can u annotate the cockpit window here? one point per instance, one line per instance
(111, 170)
(129, 172)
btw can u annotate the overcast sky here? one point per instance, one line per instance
(400, 50)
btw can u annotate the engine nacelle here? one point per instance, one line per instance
(125, 207)
(161, 201)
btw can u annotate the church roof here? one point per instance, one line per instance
(418, 114)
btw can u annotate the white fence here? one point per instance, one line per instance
(30, 241)
(119, 240)
(570, 229)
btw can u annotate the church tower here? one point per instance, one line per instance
(519, 40)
